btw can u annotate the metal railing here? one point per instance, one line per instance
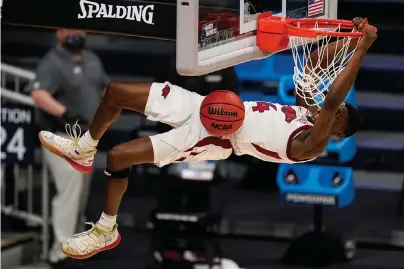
(17, 76)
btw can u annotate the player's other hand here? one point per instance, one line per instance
(369, 36)
(359, 23)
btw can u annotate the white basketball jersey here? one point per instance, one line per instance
(269, 129)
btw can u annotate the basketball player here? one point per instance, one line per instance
(271, 132)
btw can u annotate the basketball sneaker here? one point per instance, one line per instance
(87, 244)
(69, 149)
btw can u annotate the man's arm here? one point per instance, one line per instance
(334, 98)
(44, 100)
(44, 86)
(329, 51)
(338, 92)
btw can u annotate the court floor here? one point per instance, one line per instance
(373, 211)
(132, 254)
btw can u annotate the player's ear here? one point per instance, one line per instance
(338, 136)
(338, 115)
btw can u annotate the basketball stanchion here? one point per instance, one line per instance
(312, 184)
(184, 224)
(318, 186)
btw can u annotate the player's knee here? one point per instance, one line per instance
(116, 158)
(112, 92)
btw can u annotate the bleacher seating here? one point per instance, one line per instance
(267, 72)
(268, 69)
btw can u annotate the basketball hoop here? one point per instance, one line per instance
(312, 79)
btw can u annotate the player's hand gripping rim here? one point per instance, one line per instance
(369, 32)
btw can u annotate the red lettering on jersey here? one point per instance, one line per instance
(212, 140)
(266, 152)
(165, 91)
(263, 106)
(290, 113)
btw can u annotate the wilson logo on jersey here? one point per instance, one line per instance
(165, 91)
(222, 126)
(221, 112)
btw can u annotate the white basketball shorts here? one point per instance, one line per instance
(188, 141)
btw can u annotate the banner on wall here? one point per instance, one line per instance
(156, 19)
(17, 134)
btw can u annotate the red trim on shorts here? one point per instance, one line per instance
(266, 152)
(192, 154)
(210, 140)
(291, 137)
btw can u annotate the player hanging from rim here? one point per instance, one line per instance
(292, 134)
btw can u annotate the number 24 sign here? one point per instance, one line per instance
(17, 134)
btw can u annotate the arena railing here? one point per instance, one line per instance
(23, 173)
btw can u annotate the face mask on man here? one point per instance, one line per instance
(75, 43)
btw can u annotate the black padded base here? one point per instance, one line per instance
(317, 249)
(184, 251)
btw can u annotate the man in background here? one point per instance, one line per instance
(68, 87)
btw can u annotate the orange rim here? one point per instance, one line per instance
(303, 27)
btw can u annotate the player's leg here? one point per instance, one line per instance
(118, 96)
(158, 101)
(104, 234)
(80, 151)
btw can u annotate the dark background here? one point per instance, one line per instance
(250, 202)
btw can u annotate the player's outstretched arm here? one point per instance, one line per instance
(333, 48)
(339, 90)
(329, 50)
(344, 81)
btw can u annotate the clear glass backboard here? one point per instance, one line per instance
(213, 35)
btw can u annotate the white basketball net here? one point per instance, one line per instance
(313, 79)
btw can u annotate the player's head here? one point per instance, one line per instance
(347, 121)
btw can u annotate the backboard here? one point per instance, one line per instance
(212, 35)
